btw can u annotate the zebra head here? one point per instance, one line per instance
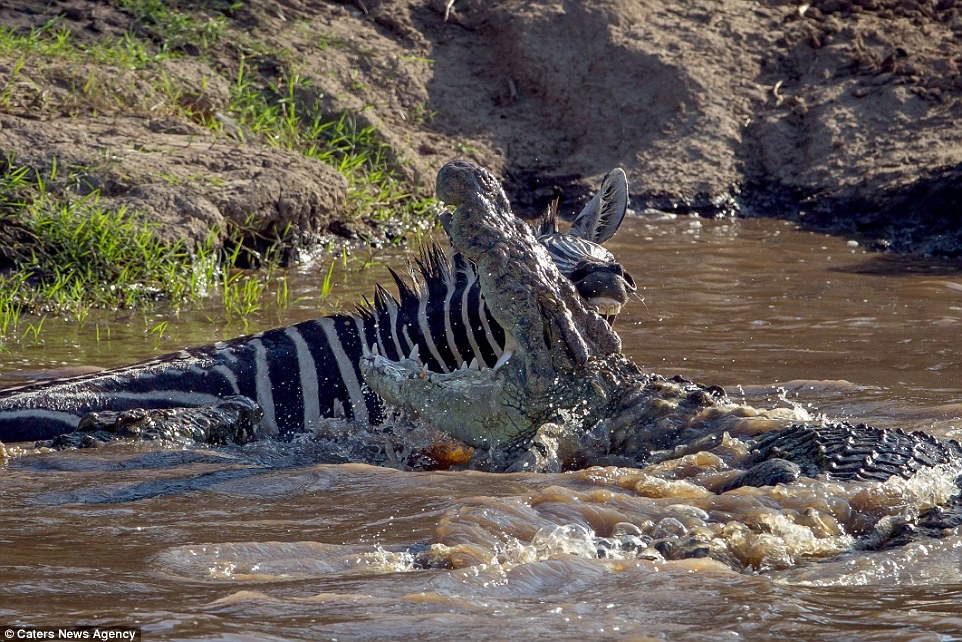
(600, 280)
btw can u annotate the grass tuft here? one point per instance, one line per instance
(176, 30)
(287, 114)
(66, 254)
(50, 42)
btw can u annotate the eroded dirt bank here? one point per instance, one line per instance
(842, 114)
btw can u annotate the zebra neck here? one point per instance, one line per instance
(441, 315)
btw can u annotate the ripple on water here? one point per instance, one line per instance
(661, 517)
(279, 561)
(666, 512)
(375, 554)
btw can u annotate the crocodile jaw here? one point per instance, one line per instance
(481, 408)
(547, 326)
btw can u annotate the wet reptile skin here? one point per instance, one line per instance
(568, 380)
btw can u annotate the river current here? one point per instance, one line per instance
(263, 542)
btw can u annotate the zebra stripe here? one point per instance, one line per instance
(262, 381)
(568, 251)
(43, 414)
(427, 338)
(466, 317)
(366, 334)
(496, 348)
(348, 370)
(407, 337)
(380, 344)
(392, 327)
(449, 330)
(307, 371)
(163, 398)
(299, 374)
(229, 377)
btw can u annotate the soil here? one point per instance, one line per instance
(841, 114)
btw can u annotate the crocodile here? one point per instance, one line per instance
(567, 397)
(562, 362)
(233, 420)
(562, 395)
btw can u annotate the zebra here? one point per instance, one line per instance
(302, 373)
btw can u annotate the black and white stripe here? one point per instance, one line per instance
(305, 372)
(298, 374)
(596, 223)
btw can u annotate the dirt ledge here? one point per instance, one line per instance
(841, 114)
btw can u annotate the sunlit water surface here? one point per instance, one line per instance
(262, 542)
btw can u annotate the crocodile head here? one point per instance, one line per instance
(579, 255)
(552, 334)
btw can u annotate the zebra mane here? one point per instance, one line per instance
(549, 219)
(431, 273)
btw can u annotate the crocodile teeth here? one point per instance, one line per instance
(374, 351)
(503, 359)
(414, 354)
(474, 364)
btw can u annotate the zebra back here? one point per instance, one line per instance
(298, 374)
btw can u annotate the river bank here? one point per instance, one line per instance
(305, 119)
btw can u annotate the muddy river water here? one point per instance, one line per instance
(263, 542)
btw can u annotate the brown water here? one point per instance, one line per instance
(263, 543)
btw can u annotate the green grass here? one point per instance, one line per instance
(6, 91)
(80, 254)
(73, 253)
(283, 112)
(287, 114)
(97, 75)
(176, 30)
(11, 307)
(111, 255)
(51, 42)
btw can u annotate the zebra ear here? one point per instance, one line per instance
(603, 214)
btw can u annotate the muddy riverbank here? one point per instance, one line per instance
(842, 115)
